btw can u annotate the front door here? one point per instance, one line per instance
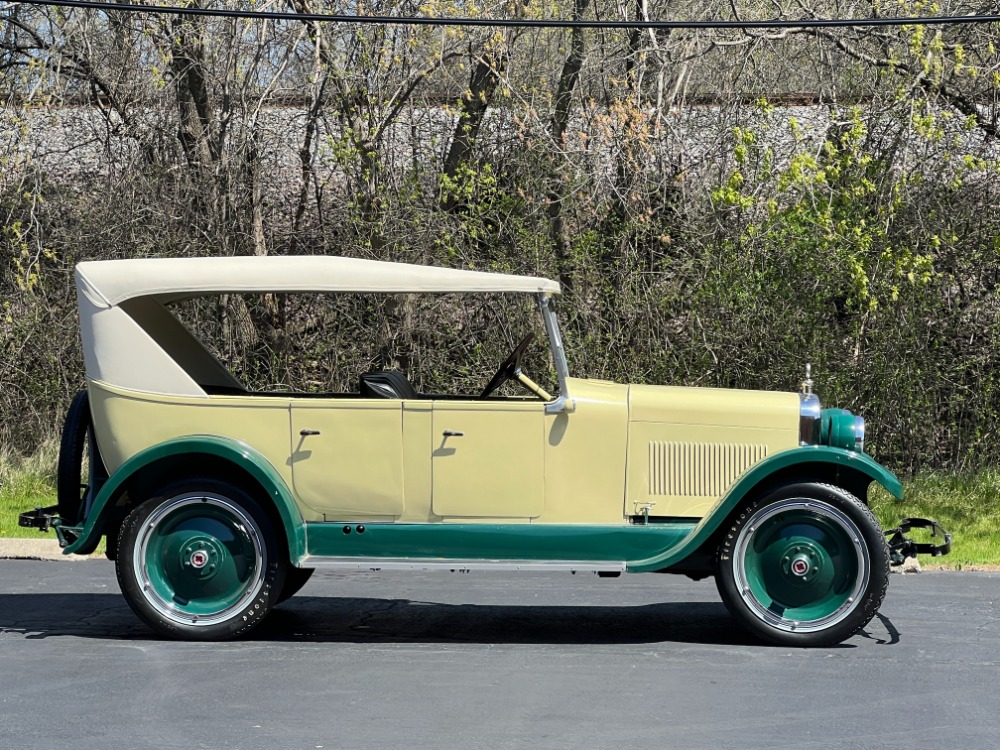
(347, 457)
(488, 459)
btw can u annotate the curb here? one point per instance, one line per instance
(38, 549)
(910, 565)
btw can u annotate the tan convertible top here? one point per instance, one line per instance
(114, 281)
(132, 341)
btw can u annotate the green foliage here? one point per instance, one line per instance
(487, 224)
(832, 257)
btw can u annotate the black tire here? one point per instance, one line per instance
(77, 440)
(200, 561)
(805, 565)
(295, 579)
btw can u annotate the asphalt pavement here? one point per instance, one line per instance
(493, 660)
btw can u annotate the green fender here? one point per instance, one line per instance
(206, 445)
(812, 454)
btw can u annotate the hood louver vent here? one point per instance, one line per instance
(698, 469)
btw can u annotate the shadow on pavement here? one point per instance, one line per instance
(403, 620)
(368, 620)
(891, 636)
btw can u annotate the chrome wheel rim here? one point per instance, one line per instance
(199, 559)
(801, 565)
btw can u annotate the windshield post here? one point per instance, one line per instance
(562, 403)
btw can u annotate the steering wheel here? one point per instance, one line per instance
(508, 368)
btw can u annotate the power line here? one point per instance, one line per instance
(810, 23)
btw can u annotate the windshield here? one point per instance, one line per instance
(448, 344)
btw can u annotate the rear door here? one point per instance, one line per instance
(347, 457)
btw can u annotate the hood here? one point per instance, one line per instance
(686, 446)
(718, 407)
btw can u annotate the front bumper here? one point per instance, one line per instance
(902, 547)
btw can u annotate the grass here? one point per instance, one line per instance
(25, 483)
(967, 505)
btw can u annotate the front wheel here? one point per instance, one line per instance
(200, 561)
(806, 565)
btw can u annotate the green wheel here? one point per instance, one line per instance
(200, 561)
(807, 565)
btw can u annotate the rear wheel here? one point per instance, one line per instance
(200, 561)
(807, 565)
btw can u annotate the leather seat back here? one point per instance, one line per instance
(386, 384)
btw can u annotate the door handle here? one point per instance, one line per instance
(453, 433)
(307, 433)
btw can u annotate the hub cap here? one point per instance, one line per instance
(199, 559)
(801, 565)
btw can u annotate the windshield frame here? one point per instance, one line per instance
(562, 402)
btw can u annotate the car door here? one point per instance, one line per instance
(347, 457)
(488, 458)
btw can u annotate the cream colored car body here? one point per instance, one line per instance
(600, 476)
(671, 451)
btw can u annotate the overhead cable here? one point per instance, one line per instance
(806, 23)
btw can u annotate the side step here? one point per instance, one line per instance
(462, 566)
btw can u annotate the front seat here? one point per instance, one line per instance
(386, 384)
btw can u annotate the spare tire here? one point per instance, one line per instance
(73, 478)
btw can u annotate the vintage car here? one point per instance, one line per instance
(218, 502)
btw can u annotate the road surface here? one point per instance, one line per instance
(493, 660)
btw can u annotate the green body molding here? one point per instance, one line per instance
(198, 445)
(496, 541)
